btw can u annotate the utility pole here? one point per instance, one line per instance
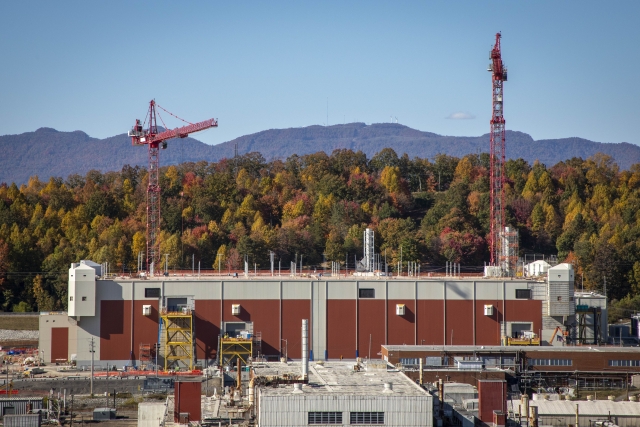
(92, 353)
(166, 263)
(401, 260)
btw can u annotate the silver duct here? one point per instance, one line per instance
(305, 349)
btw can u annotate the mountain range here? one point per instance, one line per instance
(48, 152)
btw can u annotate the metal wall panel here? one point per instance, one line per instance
(401, 329)
(187, 399)
(430, 290)
(293, 311)
(318, 320)
(115, 330)
(379, 287)
(489, 290)
(207, 325)
(341, 328)
(198, 289)
(371, 327)
(430, 315)
(19, 404)
(459, 290)
(292, 410)
(401, 290)
(265, 315)
(296, 290)
(258, 289)
(112, 290)
(342, 290)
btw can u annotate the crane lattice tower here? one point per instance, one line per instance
(497, 135)
(154, 140)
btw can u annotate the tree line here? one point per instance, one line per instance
(317, 206)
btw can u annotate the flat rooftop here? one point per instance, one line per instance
(312, 277)
(595, 408)
(339, 378)
(509, 349)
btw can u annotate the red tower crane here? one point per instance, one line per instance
(154, 140)
(499, 75)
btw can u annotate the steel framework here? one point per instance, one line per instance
(178, 339)
(497, 135)
(154, 140)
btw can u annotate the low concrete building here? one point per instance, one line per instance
(151, 414)
(342, 393)
(561, 413)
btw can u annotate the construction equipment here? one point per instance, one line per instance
(523, 340)
(563, 335)
(154, 140)
(497, 159)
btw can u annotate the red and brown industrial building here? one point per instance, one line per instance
(348, 317)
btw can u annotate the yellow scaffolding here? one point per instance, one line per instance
(232, 348)
(178, 334)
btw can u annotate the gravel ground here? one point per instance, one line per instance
(11, 335)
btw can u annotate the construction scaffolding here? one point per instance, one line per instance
(232, 349)
(145, 355)
(179, 338)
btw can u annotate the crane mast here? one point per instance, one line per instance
(497, 156)
(154, 140)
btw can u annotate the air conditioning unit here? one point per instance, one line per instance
(235, 309)
(488, 310)
(400, 309)
(146, 310)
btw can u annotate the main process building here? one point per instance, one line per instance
(193, 318)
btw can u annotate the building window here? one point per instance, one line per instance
(84, 298)
(625, 363)
(523, 293)
(550, 362)
(367, 293)
(409, 361)
(71, 298)
(325, 418)
(152, 292)
(367, 418)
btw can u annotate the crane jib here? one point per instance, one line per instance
(183, 131)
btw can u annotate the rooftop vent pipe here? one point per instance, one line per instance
(305, 349)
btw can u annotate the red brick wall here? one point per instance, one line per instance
(59, 344)
(341, 329)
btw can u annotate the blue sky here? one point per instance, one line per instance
(93, 66)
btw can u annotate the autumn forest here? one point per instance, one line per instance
(584, 211)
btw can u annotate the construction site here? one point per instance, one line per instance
(515, 345)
